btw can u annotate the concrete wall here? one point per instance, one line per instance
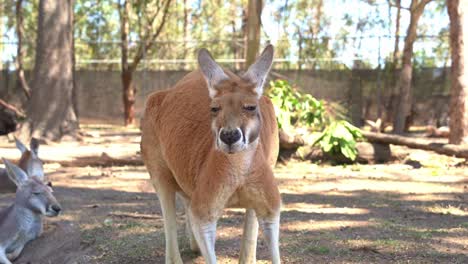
(100, 95)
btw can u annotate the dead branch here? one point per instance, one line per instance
(460, 151)
(98, 161)
(18, 112)
(135, 215)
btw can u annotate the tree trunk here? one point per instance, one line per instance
(396, 47)
(390, 105)
(148, 38)
(20, 51)
(126, 75)
(459, 90)
(185, 32)
(50, 113)
(128, 97)
(403, 110)
(254, 13)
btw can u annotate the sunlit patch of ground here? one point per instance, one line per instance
(388, 213)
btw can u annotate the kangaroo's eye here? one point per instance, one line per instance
(36, 193)
(215, 109)
(250, 108)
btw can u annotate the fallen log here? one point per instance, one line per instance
(460, 151)
(288, 142)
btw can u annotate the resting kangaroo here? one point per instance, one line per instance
(22, 221)
(29, 162)
(213, 140)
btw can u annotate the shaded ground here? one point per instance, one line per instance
(344, 214)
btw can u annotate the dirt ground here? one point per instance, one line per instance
(392, 213)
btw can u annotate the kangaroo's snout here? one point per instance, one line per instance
(230, 136)
(54, 210)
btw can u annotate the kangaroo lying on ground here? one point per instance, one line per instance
(29, 162)
(22, 221)
(213, 140)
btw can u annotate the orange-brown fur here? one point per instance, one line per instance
(178, 148)
(23, 161)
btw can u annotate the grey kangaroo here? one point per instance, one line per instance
(29, 162)
(22, 221)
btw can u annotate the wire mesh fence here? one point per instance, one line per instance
(354, 71)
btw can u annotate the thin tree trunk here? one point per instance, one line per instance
(391, 105)
(403, 110)
(299, 53)
(185, 31)
(50, 112)
(129, 89)
(254, 12)
(128, 93)
(74, 89)
(396, 47)
(20, 51)
(459, 91)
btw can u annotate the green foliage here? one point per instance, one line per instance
(340, 137)
(294, 108)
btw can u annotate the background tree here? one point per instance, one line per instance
(148, 31)
(96, 32)
(50, 112)
(457, 10)
(20, 50)
(254, 23)
(403, 110)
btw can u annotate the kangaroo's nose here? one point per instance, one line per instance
(56, 208)
(230, 136)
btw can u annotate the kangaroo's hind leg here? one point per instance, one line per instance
(249, 238)
(166, 189)
(188, 226)
(13, 255)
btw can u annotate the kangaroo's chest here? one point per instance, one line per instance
(23, 236)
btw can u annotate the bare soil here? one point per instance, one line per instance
(392, 213)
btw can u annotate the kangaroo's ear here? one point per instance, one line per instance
(34, 146)
(258, 72)
(20, 146)
(212, 72)
(15, 173)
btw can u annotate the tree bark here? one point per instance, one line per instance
(459, 91)
(126, 75)
(50, 112)
(129, 92)
(396, 47)
(403, 110)
(446, 149)
(20, 51)
(148, 38)
(391, 105)
(254, 13)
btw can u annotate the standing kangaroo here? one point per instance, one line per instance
(213, 140)
(22, 221)
(29, 162)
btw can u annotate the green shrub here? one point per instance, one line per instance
(296, 109)
(293, 108)
(340, 137)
